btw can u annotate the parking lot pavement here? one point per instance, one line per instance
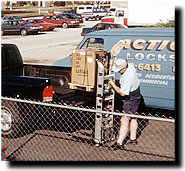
(47, 145)
(47, 47)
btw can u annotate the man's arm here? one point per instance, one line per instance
(116, 88)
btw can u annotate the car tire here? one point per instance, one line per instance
(23, 32)
(65, 25)
(12, 123)
(17, 119)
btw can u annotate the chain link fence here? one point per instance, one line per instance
(35, 131)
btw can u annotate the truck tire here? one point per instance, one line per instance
(65, 25)
(23, 32)
(12, 122)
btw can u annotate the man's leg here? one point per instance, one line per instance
(133, 129)
(124, 128)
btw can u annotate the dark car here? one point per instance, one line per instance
(72, 16)
(14, 27)
(61, 21)
(101, 26)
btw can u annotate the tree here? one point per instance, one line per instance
(170, 23)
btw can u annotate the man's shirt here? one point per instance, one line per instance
(129, 81)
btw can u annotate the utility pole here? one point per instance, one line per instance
(11, 5)
(39, 6)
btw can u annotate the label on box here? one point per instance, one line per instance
(90, 60)
(82, 53)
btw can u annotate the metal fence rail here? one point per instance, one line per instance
(47, 132)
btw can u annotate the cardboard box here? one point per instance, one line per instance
(83, 72)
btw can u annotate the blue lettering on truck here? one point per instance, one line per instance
(150, 50)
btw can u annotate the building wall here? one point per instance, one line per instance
(119, 4)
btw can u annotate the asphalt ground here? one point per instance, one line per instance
(47, 47)
(47, 145)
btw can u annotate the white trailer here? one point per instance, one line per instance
(142, 12)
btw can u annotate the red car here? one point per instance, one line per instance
(46, 25)
(61, 21)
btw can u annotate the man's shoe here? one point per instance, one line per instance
(134, 142)
(116, 146)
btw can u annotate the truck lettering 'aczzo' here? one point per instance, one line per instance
(144, 45)
(138, 44)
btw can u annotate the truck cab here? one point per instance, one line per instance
(118, 15)
(150, 50)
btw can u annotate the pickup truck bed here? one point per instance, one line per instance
(60, 77)
(24, 87)
(14, 81)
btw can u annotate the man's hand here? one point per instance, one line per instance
(115, 87)
(112, 82)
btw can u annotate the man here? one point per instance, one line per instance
(132, 99)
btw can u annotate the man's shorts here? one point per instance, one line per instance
(133, 104)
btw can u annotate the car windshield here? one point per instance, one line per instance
(75, 16)
(70, 16)
(115, 26)
(61, 17)
(120, 26)
(93, 43)
(20, 21)
(39, 21)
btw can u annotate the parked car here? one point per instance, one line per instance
(13, 27)
(97, 14)
(46, 25)
(72, 16)
(101, 26)
(61, 21)
(100, 12)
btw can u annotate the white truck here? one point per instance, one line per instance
(118, 15)
(96, 14)
(141, 13)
